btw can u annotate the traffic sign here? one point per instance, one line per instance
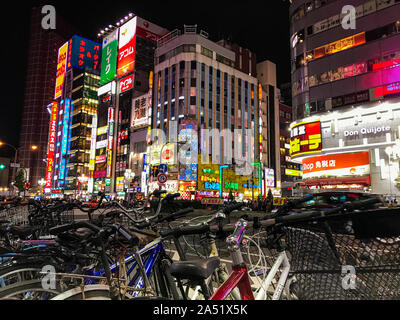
(15, 165)
(163, 168)
(162, 178)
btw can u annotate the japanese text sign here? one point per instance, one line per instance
(305, 138)
(84, 53)
(61, 69)
(127, 48)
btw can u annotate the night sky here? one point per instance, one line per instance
(261, 26)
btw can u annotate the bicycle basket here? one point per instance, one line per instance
(345, 258)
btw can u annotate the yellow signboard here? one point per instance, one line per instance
(61, 69)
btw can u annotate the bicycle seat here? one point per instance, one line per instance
(195, 270)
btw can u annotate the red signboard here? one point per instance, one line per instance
(306, 138)
(387, 90)
(100, 174)
(386, 65)
(101, 159)
(337, 169)
(335, 162)
(127, 48)
(126, 84)
(52, 144)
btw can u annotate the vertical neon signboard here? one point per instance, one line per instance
(65, 140)
(109, 58)
(52, 144)
(111, 120)
(127, 48)
(61, 69)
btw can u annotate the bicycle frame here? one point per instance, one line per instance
(240, 279)
(152, 250)
(281, 261)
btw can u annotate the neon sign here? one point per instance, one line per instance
(84, 53)
(61, 69)
(306, 138)
(126, 84)
(212, 185)
(387, 90)
(127, 48)
(65, 136)
(52, 143)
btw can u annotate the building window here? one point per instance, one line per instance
(207, 52)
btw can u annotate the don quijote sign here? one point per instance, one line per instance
(367, 131)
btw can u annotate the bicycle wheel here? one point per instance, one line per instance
(90, 292)
(11, 276)
(27, 290)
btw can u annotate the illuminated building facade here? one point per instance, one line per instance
(127, 66)
(73, 114)
(39, 92)
(346, 95)
(199, 85)
(334, 68)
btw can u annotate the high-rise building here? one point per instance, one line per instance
(70, 158)
(39, 92)
(346, 93)
(200, 85)
(269, 119)
(334, 67)
(127, 66)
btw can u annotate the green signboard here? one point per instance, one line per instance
(109, 58)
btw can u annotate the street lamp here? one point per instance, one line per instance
(32, 148)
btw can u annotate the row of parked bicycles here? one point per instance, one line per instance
(350, 252)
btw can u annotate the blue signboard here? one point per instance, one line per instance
(212, 185)
(84, 53)
(162, 168)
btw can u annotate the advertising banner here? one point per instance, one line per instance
(127, 48)
(305, 138)
(52, 144)
(387, 90)
(337, 166)
(126, 84)
(84, 53)
(65, 140)
(140, 109)
(61, 69)
(109, 58)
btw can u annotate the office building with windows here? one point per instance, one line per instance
(200, 84)
(346, 86)
(39, 91)
(126, 80)
(73, 115)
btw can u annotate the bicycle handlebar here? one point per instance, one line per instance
(217, 229)
(73, 226)
(321, 214)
